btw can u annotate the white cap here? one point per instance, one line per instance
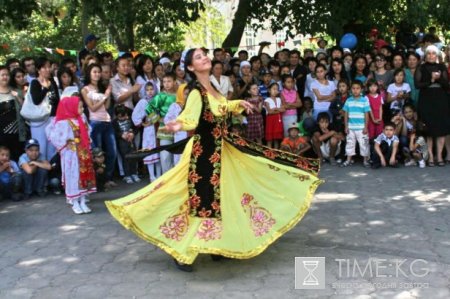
(432, 48)
(164, 60)
(346, 50)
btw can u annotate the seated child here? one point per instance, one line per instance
(418, 146)
(9, 176)
(307, 111)
(34, 169)
(295, 143)
(99, 166)
(125, 132)
(386, 148)
(327, 139)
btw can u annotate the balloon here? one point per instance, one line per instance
(348, 40)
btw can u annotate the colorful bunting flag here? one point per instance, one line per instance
(73, 52)
(60, 51)
(49, 50)
(134, 53)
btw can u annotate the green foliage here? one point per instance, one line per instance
(208, 30)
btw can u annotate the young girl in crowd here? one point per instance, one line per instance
(172, 114)
(140, 118)
(64, 79)
(159, 107)
(324, 91)
(360, 69)
(418, 146)
(69, 133)
(375, 125)
(255, 127)
(290, 101)
(97, 97)
(337, 105)
(274, 122)
(307, 110)
(398, 92)
(311, 63)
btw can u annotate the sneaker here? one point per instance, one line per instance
(422, 164)
(56, 192)
(76, 208)
(410, 163)
(339, 161)
(135, 178)
(85, 208)
(128, 180)
(347, 163)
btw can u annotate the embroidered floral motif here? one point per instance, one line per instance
(215, 205)
(175, 227)
(260, 218)
(194, 177)
(204, 213)
(197, 149)
(241, 141)
(270, 154)
(215, 179)
(194, 201)
(210, 229)
(217, 132)
(208, 116)
(215, 158)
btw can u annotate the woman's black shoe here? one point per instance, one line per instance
(183, 267)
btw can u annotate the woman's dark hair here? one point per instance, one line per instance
(215, 62)
(254, 59)
(410, 53)
(121, 109)
(41, 62)
(371, 82)
(188, 59)
(320, 65)
(398, 71)
(272, 85)
(64, 70)
(285, 77)
(398, 54)
(331, 74)
(140, 66)
(87, 77)
(250, 85)
(11, 61)
(366, 69)
(12, 77)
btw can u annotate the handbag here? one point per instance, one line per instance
(36, 113)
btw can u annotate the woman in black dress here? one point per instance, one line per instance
(431, 78)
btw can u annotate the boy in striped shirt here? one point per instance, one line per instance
(357, 109)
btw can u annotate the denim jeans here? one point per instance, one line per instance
(9, 183)
(102, 136)
(35, 181)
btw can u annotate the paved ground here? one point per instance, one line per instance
(359, 215)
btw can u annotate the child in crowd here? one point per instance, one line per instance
(159, 106)
(9, 176)
(274, 122)
(418, 146)
(398, 93)
(55, 174)
(357, 110)
(99, 166)
(34, 169)
(265, 82)
(173, 112)
(255, 125)
(337, 105)
(405, 123)
(291, 102)
(125, 132)
(307, 111)
(295, 143)
(326, 139)
(69, 133)
(386, 148)
(140, 118)
(375, 125)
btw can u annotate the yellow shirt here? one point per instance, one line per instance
(219, 106)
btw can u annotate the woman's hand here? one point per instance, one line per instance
(173, 126)
(247, 106)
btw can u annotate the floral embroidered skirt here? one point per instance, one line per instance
(263, 194)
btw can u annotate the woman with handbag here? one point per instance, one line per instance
(9, 119)
(43, 91)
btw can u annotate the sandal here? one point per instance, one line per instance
(346, 163)
(441, 163)
(430, 164)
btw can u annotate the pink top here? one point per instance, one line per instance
(290, 96)
(101, 114)
(375, 104)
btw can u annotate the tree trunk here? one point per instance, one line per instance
(233, 38)
(84, 18)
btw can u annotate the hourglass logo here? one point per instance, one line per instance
(310, 272)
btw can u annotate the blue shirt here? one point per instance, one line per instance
(24, 159)
(356, 109)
